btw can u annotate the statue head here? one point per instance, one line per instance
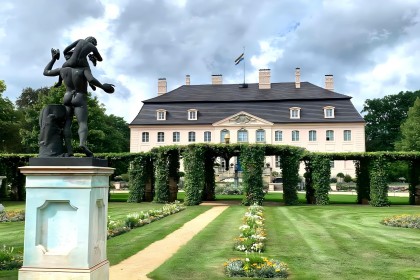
(91, 40)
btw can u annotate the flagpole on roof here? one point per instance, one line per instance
(244, 66)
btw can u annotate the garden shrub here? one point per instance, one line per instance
(161, 165)
(9, 259)
(321, 173)
(378, 183)
(405, 221)
(347, 178)
(229, 189)
(290, 161)
(252, 160)
(12, 216)
(346, 186)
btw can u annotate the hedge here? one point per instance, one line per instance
(321, 173)
(252, 160)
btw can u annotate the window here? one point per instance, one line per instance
(223, 133)
(329, 112)
(295, 113)
(207, 136)
(242, 135)
(175, 136)
(330, 135)
(312, 135)
(145, 137)
(278, 162)
(278, 136)
(161, 115)
(161, 137)
(347, 135)
(295, 135)
(192, 115)
(332, 164)
(260, 137)
(191, 136)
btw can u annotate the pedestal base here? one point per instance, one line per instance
(98, 272)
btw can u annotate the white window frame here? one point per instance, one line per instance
(161, 137)
(246, 134)
(295, 112)
(277, 161)
(145, 137)
(278, 136)
(329, 112)
(192, 114)
(207, 136)
(161, 115)
(260, 136)
(191, 136)
(295, 135)
(329, 135)
(347, 135)
(176, 136)
(312, 135)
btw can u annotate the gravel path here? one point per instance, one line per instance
(139, 265)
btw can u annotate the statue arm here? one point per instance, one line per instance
(70, 47)
(48, 71)
(96, 53)
(109, 88)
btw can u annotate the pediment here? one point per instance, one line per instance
(242, 119)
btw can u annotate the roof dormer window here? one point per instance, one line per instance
(329, 112)
(295, 113)
(161, 115)
(192, 114)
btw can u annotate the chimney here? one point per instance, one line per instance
(216, 79)
(329, 82)
(264, 81)
(161, 86)
(297, 78)
(187, 80)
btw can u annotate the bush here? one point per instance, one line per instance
(347, 178)
(333, 180)
(405, 221)
(229, 189)
(340, 175)
(346, 186)
(9, 259)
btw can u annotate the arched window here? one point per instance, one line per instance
(260, 136)
(223, 133)
(242, 136)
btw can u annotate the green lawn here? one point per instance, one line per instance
(318, 242)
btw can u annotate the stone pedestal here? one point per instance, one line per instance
(65, 223)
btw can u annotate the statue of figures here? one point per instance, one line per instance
(76, 75)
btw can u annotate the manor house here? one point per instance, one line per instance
(290, 113)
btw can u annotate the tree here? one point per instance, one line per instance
(384, 117)
(10, 120)
(410, 130)
(107, 133)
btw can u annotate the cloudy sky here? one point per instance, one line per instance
(371, 47)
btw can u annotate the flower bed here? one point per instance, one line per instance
(252, 240)
(405, 221)
(252, 236)
(142, 218)
(257, 267)
(12, 216)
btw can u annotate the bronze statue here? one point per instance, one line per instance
(76, 75)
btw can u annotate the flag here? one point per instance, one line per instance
(239, 59)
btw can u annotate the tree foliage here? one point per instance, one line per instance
(107, 133)
(10, 121)
(384, 117)
(410, 130)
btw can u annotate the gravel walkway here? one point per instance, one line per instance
(138, 266)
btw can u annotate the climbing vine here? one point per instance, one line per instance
(161, 165)
(194, 158)
(290, 161)
(252, 159)
(321, 172)
(378, 183)
(139, 173)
